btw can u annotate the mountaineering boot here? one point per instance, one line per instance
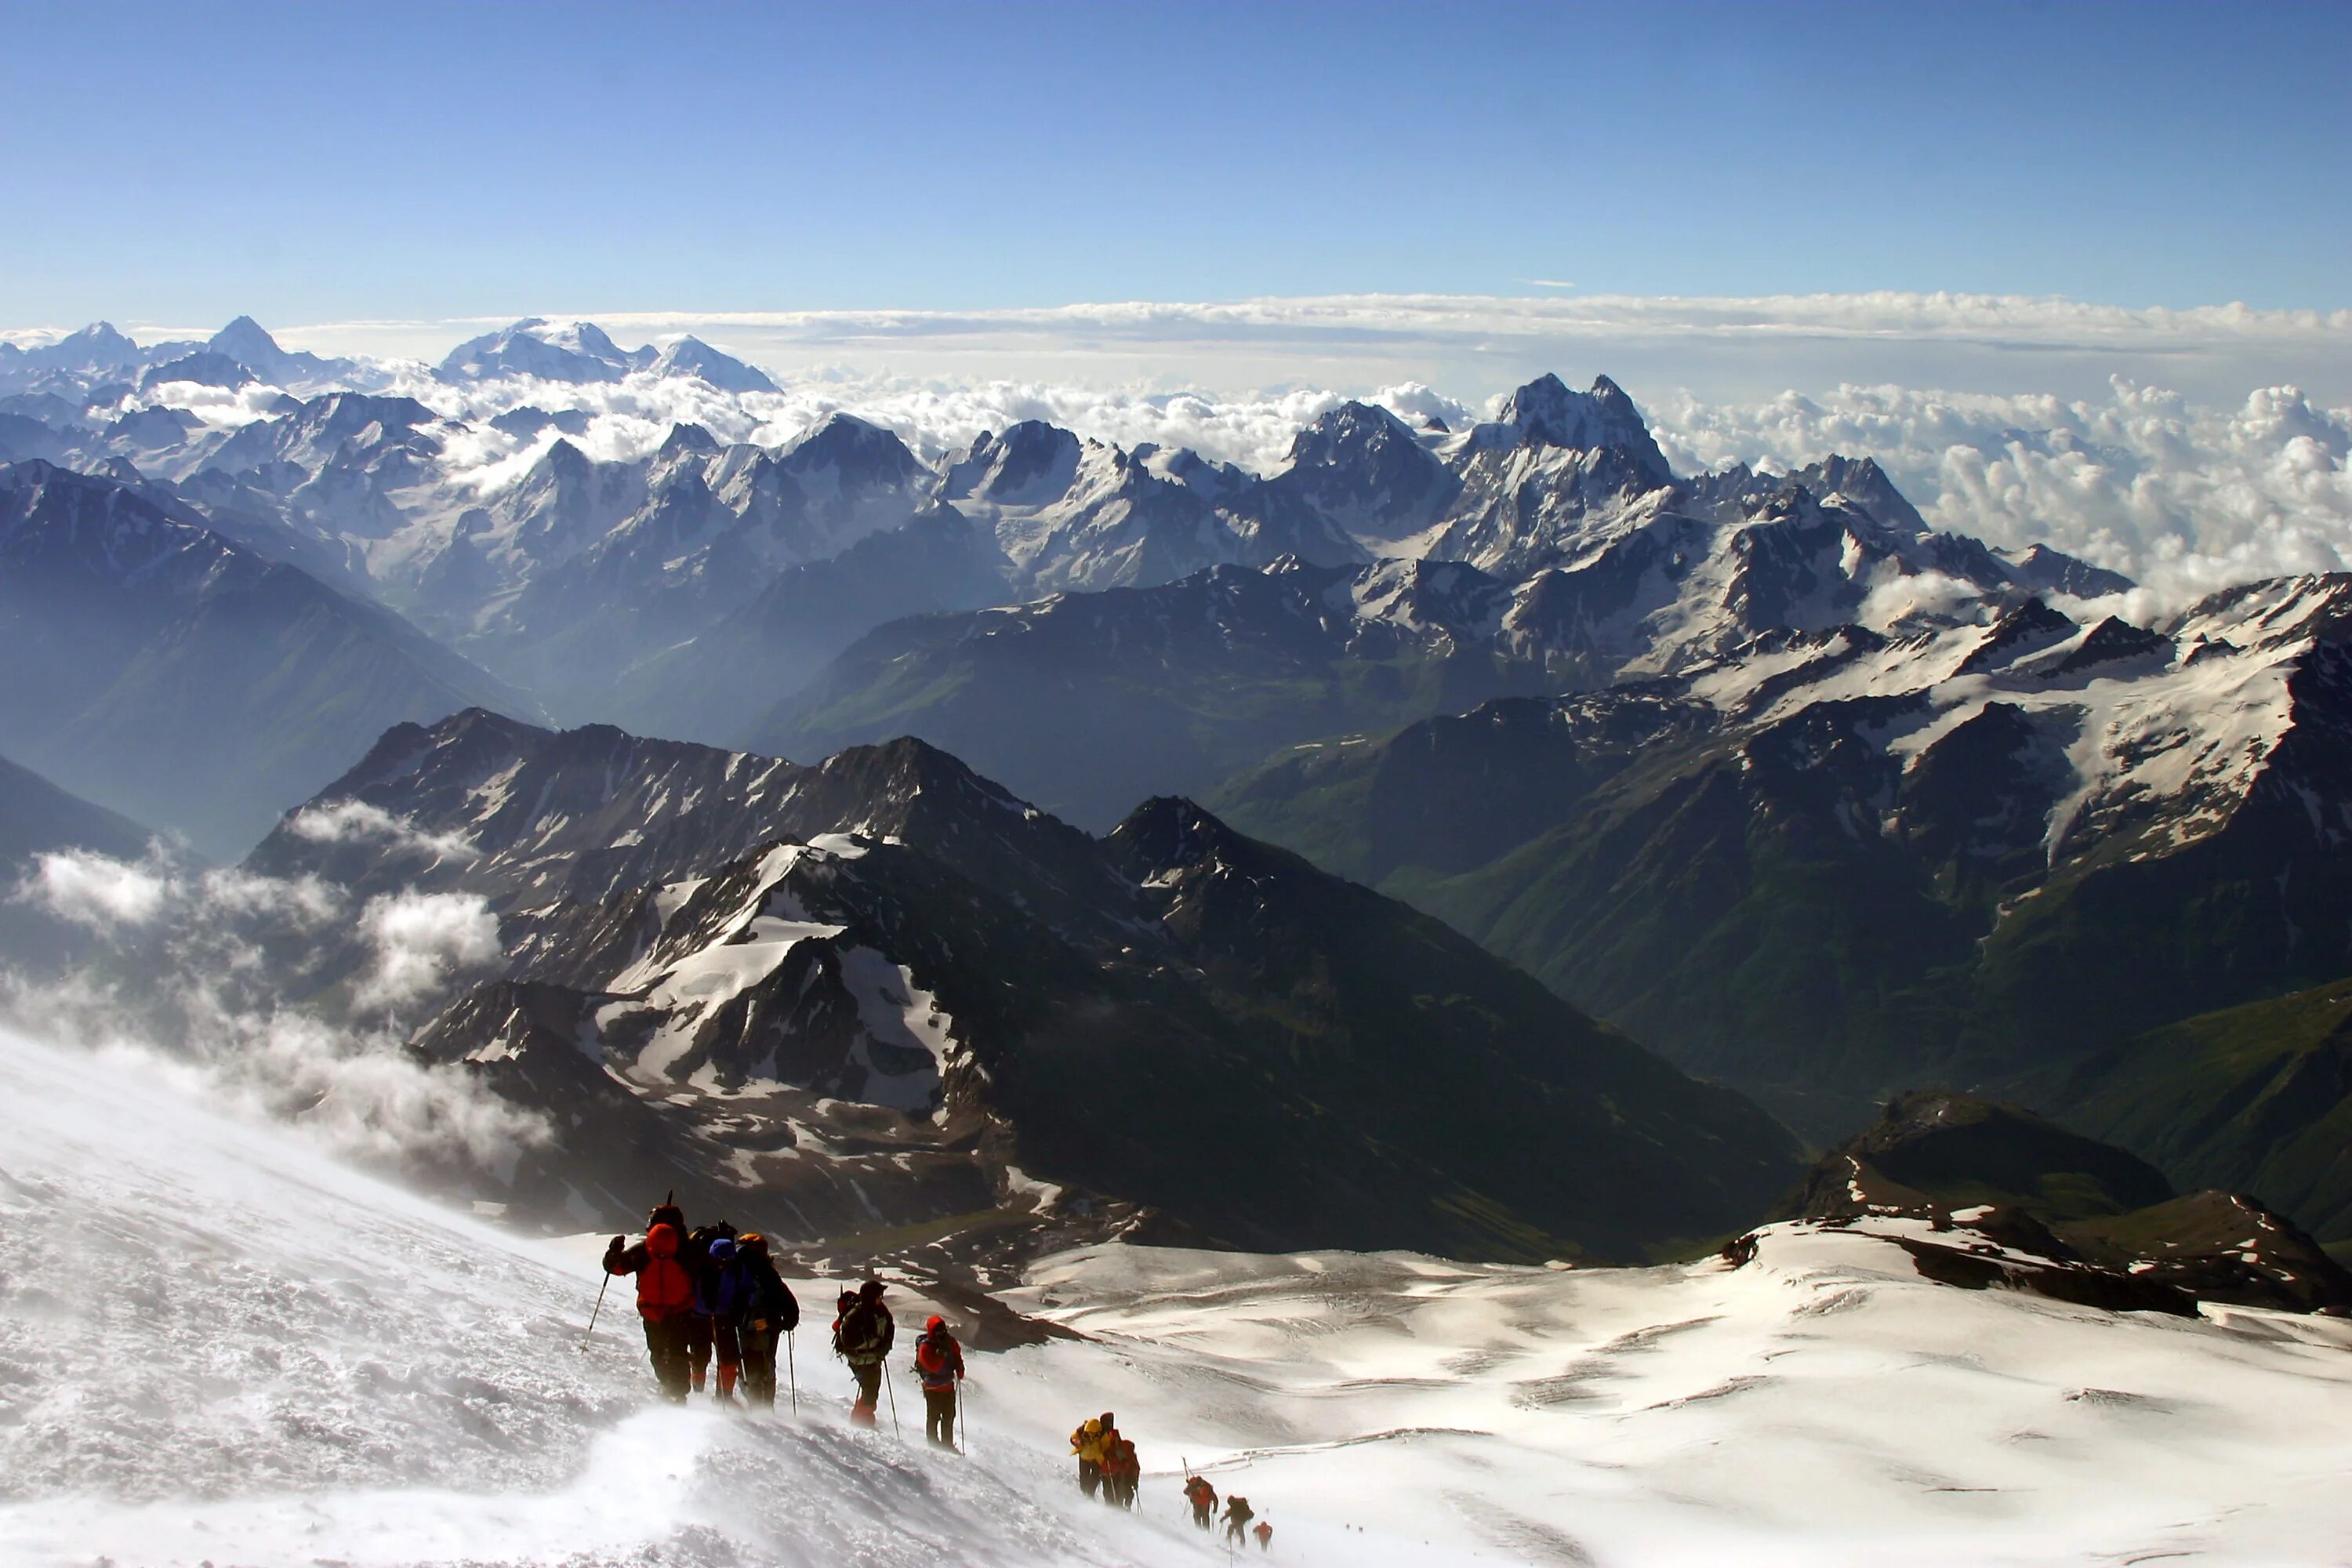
(862, 1414)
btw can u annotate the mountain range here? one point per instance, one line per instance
(892, 992)
(1815, 800)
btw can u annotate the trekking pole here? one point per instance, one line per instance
(891, 1384)
(792, 1369)
(592, 1316)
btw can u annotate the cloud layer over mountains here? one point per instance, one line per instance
(2236, 477)
(2183, 498)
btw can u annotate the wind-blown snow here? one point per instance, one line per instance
(217, 1345)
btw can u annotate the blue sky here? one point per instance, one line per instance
(319, 163)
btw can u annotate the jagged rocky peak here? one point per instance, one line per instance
(1860, 485)
(347, 412)
(525, 423)
(686, 441)
(1028, 464)
(1349, 431)
(1167, 836)
(1544, 412)
(854, 449)
(2023, 629)
(2115, 640)
(2048, 571)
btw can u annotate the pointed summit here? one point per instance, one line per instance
(1544, 412)
(246, 341)
(1029, 464)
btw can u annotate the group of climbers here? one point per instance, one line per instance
(715, 1294)
(1203, 1498)
(1106, 1462)
(708, 1294)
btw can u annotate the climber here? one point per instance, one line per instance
(1203, 1499)
(1087, 1442)
(770, 1312)
(939, 1363)
(1122, 1473)
(1238, 1513)
(665, 1294)
(862, 1336)
(721, 1292)
(694, 1252)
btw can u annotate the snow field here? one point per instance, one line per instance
(1821, 1405)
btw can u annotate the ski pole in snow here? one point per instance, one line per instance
(592, 1316)
(891, 1384)
(792, 1369)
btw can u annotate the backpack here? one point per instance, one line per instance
(664, 1286)
(695, 1251)
(863, 1332)
(936, 1362)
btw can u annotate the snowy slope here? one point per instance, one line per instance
(1821, 1405)
(217, 1345)
(220, 1346)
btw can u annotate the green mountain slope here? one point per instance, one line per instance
(2257, 1098)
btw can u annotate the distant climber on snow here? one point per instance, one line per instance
(770, 1312)
(1203, 1499)
(861, 1337)
(939, 1363)
(1238, 1513)
(1265, 1533)
(665, 1294)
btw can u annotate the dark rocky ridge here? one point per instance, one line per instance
(1176, 1016)
(2015, 1200)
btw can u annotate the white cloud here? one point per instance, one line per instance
(305, 902)
(357, 821)
(1897, 594)
(1725, 347)
(2185, 498)
(216, 1020)
(98, 891)
(419, 941)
